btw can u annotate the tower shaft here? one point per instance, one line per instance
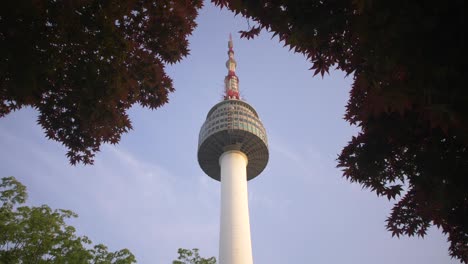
(235, 246)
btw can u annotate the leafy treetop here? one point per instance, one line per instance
(187, 256)
(82, 64)
(41, 235)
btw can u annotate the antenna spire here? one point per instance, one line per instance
(231, 82)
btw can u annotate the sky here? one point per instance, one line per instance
(148, 193)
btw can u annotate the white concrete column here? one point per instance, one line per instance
(235, 246)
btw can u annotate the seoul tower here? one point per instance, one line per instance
(233, 148)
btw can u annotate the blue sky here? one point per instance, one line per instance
(148, 193)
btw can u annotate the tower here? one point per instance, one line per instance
(233, 148)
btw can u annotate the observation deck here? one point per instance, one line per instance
(232, 125)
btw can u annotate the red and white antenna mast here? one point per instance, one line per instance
(231, 81)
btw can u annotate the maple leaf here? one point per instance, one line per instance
(253, 32)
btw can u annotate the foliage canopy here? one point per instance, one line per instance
(82, 64)
(40, 235)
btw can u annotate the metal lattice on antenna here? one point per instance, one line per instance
(231, 81)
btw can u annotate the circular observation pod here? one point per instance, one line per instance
(232, 125)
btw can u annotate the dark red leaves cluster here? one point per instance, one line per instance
(253, 32)
(321, 65)
(409, 98)
(83, 64)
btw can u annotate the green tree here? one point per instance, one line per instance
(409, 98)
(187, 256)
(82, 64)
(41, 235)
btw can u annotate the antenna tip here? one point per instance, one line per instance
(230, 45)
